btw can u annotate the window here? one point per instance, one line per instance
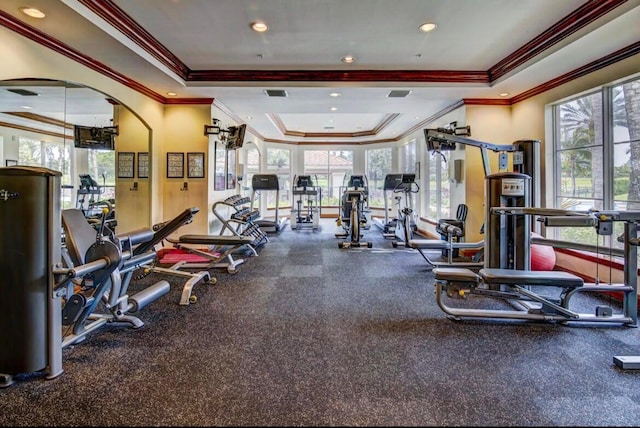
(439, 197)
(329, 168)
(408, 157)
(55, 156)
(378, 166)
(58, 156)
(597, 156)
(102, 169)
(279, 162)
(252, 166)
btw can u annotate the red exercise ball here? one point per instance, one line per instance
(543, 257)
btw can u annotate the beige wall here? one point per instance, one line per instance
(184, 133)
(490, 124)
(133, 137)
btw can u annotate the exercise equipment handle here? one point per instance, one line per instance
(569, 221)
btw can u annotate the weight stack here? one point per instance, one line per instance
(506, 237)
(30, 232)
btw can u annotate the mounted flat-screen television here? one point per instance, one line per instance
(437, 144)
(235, 139)
(91, 137)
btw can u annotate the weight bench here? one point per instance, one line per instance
(85, 245)
(529, 278)
(512, 286)
(161, 231)
(228, 244)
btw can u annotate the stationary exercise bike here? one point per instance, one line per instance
(405, 221)
(352, 216)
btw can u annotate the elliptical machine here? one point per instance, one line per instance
(354, 212)
(405, 224)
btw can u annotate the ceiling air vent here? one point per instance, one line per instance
(398, 94)
(275, 92)
(23, 92)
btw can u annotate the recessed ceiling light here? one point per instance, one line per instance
(259, 26)
(504, 94)
(334, 94)
(333, 108)
(249, 117)
(427, 26)
(348, 59)
(171, 94)
(32, 12)
(26, 107)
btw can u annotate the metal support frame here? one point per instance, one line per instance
(462, 284)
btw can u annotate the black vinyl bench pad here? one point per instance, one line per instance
(213, 240)
(456, 275)
(528, 277)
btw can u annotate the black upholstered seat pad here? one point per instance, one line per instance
(528, 277)
(215, 239)
(455, 274)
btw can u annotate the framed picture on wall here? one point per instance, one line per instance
(126, 162)
(143, 164)
(195, 165)
(175, 165)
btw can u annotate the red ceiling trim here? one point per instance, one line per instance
(116, 17)
(596, 65)
(338, 76)
(37, 36)
(584, 15)
(188, 101)
(579, 18)
(487, 101)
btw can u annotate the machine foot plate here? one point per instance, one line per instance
(627, 362)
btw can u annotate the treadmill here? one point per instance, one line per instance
(388, 225)
(268, 183)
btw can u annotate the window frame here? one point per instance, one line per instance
(607, 146)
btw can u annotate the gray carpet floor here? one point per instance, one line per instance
(307, 334)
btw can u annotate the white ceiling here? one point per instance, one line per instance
(312, 36)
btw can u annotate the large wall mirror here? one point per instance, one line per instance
(80, 132)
